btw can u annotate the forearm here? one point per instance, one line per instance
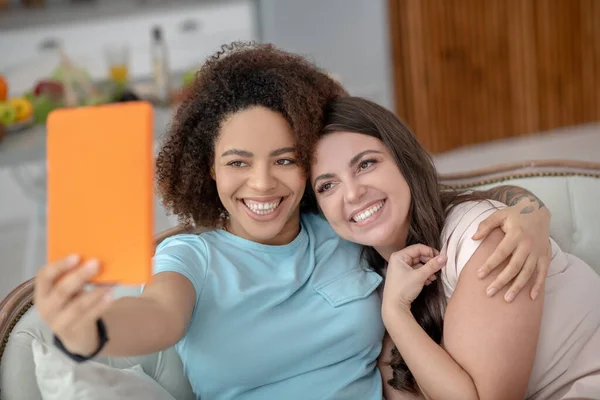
(513, 195)
(436, 373)
(137, 326)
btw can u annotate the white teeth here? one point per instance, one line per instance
(368, 212)
(262, 208)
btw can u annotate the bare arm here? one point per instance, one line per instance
(135, 325)
(481, 357)
(493, 341)
(513, 195)
(156, 320)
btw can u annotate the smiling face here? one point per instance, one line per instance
(361, 190)
(258, 181)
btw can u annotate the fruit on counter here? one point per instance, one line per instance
(188, 77)
(23, 108)
(8, 114)
(3, 88)
(42, 106)
(51, 88)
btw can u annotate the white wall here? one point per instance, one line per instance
(347, 37)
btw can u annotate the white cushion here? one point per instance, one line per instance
(574, 203)
(60, 378)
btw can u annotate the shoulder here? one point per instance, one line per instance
(322, 234)
(315, 222)
(461, 224)
(186, 254)
(184, 245)
(176, 243)
(464, 215)
(333, 255)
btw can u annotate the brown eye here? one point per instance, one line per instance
(365, 164)
(285, 161)
(324, 187)
(237, 164)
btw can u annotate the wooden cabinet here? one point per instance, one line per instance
(469, 71)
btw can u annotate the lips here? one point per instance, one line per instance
(366, 212)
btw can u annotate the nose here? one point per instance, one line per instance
(354, 192)
(262, 179)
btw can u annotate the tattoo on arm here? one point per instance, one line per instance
(512, 195)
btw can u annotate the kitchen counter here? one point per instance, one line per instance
(29, 145)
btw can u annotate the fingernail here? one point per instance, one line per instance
(510, 296)
(534, 294)
(481, 273)
(92, 265)
(73, 259)
(442, 259)
(491, 291)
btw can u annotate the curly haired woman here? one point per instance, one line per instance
(272, 304)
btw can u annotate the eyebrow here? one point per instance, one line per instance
(353, 161)
(323, 176)
(245, 153)
(360, 155)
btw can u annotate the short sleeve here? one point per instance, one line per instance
(185, 255)
(461, 224)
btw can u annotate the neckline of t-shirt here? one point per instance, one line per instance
(300, 239)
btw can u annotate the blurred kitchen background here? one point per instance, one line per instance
(481, 83)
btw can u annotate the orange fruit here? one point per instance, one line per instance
(3, 88)
(23, 108)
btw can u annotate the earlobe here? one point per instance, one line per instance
(212, 173)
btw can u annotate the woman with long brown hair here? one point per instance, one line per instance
(378, 187)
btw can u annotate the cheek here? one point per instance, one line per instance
(227, 183)
(404, 200)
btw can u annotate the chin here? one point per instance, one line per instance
(382, 236)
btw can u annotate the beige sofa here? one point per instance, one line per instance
(571, 190)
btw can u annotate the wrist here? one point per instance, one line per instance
(397, 312)
(80, 356)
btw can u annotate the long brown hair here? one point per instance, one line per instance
(428, 208)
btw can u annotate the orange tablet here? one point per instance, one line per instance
(100, 188)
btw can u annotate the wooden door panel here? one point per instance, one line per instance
(469, 71)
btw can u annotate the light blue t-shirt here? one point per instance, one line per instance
(298, 321)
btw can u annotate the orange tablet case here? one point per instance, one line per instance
(100, 188)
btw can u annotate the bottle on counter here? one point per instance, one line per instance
(160, 67)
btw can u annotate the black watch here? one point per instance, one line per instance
(102, 340)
